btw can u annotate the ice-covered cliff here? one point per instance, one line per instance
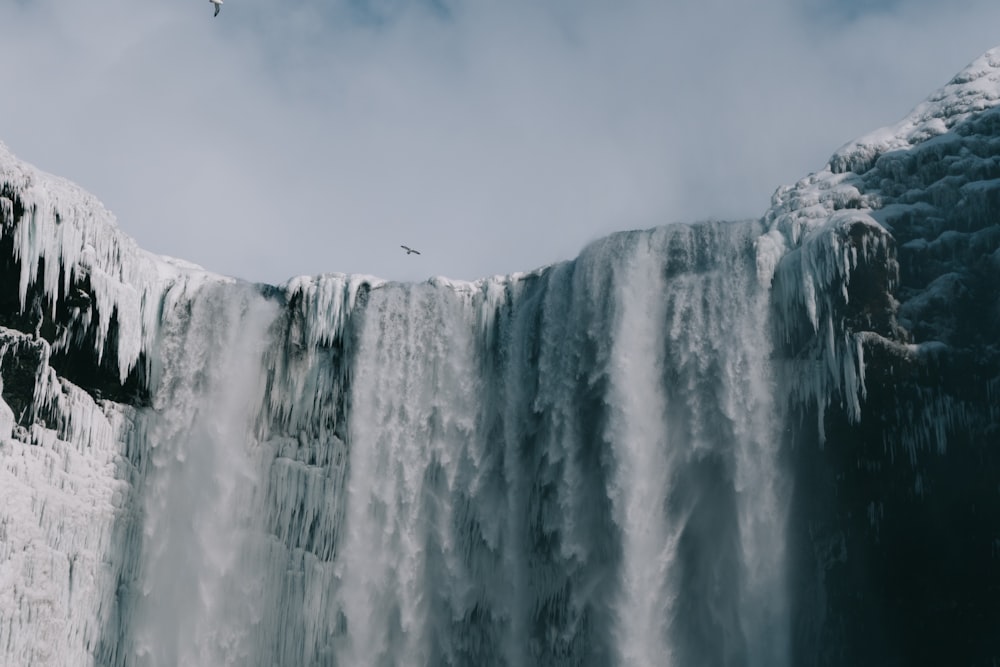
(769, 442)
(897, 517)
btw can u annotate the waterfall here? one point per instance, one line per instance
(574, 466)
(194, 606)
(582, 470)
(717, 444)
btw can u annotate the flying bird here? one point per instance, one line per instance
(218, 6)
(410, 251)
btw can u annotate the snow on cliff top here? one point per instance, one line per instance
(837, 195)
(69, 234)
(973, 90)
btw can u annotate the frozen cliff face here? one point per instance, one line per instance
(768, 442)
(65, 510)
(896, 521)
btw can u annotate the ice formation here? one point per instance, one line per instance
(601, 462)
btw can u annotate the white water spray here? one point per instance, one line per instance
(642, 451)
(194, 608)
(414, 406)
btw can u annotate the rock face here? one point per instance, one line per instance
(896, 516)
(771, 442)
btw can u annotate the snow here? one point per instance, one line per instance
(809, 203)
(974, 90)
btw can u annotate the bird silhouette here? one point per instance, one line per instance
(410, 251)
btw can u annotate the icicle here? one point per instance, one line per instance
(75, 236)
(328, 301)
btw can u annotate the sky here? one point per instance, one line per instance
(295, 137)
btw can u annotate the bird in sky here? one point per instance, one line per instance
(410, 251)
(218, 6)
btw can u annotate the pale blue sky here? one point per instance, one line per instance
(308, 136)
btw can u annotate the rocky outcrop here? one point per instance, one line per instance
(895, 524)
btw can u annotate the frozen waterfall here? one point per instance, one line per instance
(763, 443)
(574, 466)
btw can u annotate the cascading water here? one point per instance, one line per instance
(643, 461)
(414, 449)
(581, 471)
(194, 607)
(576, 466)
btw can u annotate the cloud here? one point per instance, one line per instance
(309, 136)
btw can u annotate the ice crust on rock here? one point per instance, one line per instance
(63, 491)
(972, 91)
(935, 157)
(69, 234)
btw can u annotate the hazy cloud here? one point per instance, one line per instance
(309, 136)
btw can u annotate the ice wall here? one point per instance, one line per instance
(64, 492)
